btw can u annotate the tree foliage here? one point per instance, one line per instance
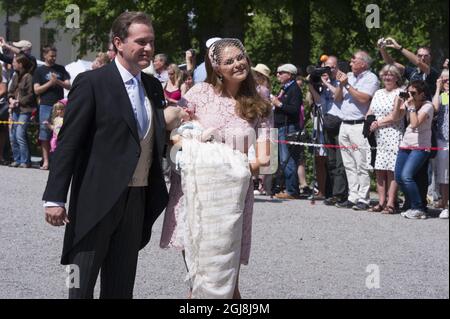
(274, 31)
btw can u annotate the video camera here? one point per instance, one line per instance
(315, 75)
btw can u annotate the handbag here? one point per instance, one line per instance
(331, 123)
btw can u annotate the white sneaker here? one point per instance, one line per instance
(444, 214)
(415, 214)
(256, 192)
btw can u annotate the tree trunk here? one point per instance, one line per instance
(439, 39)
(301, 33)
(234, 18)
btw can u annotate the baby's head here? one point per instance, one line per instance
(189, 110)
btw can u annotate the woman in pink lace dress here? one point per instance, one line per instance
(229, 103)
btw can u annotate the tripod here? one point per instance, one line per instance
(317, 131)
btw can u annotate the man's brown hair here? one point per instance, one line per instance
(122, 23)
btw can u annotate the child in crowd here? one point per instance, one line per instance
(56, 122)
(188, 82)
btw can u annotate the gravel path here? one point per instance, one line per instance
(299, 251)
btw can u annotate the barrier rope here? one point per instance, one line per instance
(18, 123)
(355, 147)
(351, 147)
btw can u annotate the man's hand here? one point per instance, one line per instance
(342, 78)
(391, 43)
(276, 101)
(53, 79)
(56, 216)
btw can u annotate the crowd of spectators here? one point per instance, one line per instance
(394, 122)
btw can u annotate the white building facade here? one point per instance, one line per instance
(40, 34)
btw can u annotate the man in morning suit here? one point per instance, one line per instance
(110, 149)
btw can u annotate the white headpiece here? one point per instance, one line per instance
(215, 50)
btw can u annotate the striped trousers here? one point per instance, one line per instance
(112, 246)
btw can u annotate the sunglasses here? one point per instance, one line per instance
(413, 93)
(423, 55)
(444, 80)
(282, 72)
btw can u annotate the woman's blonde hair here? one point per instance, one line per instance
(103, 58)
(391, 68)
(178, 74)
(249, 104)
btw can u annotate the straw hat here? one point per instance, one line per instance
(263, 69)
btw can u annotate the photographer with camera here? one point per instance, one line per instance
(355, 91)
(286, 119)
(413, 155)
(422, 69)
(322, 85)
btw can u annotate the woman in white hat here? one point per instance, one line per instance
(262, 78)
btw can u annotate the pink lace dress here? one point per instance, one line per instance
(213, 111)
